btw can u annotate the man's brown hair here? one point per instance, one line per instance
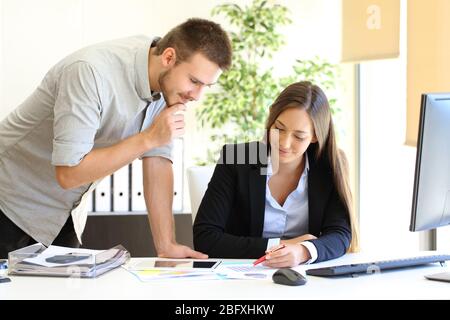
(198, 35)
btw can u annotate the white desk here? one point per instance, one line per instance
(120, 284)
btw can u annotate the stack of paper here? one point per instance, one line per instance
(65, 262)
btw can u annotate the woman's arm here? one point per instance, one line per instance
(335, 236)
(332, 243)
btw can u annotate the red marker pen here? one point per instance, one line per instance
(263, 258)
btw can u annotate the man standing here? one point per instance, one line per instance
(94, 112)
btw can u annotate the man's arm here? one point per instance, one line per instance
(158, 193)
(101, 162)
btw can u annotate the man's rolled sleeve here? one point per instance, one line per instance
(69, 154)
(164, 151)
(77, 114)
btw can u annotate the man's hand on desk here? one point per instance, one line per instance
(175, 250)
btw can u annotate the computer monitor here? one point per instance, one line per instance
(431, 196)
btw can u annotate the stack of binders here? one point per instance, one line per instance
(122, 192)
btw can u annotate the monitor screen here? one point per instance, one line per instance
(431, 195)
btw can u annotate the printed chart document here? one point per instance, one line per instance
(146, 271)
(161, 269)
(245, 270)
(64, 261)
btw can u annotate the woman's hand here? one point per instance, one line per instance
(290, 256)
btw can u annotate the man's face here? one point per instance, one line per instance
(187, 80)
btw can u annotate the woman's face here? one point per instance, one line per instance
(291, 134)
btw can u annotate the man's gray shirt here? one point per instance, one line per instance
(93, 98)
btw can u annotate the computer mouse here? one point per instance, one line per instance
(288, 277)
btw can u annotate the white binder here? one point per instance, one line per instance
(103, 195)
(137, 187)
(89, 205)
(121, 189)
(137, 198)
(178, 175)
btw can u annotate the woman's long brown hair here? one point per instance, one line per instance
(310, 97)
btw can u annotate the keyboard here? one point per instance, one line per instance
(376, 266)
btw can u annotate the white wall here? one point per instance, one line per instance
(34, 39)
(387, 164)
(36, 34)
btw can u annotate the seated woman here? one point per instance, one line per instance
(291, 190)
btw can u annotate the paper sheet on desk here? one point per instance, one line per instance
(239, 270)
(226, 273)
(155, 275)
(227, 270)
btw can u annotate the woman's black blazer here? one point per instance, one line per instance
(230, 219)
